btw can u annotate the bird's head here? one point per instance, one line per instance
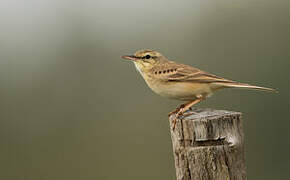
(145, 59)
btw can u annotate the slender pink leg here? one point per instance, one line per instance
(185, 108)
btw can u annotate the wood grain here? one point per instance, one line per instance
(209, 145)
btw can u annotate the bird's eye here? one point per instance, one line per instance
(147, 56)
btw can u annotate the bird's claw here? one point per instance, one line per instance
(173, 112)
(177, 115)
(180, 112)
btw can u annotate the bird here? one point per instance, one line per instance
(179, 81)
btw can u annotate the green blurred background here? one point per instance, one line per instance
(71, 108)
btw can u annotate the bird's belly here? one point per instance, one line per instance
(180, 90)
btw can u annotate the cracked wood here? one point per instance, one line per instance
(209, 145)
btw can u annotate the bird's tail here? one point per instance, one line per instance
(246, 86)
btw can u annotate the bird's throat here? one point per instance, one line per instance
(138, 68)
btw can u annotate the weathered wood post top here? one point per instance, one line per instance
(209, 145)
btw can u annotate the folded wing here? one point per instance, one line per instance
(185, 73)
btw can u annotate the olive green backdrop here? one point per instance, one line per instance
(71, 108)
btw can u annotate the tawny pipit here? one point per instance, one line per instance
(178, 81)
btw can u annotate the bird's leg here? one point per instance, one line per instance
(185, 108)
(188, 113)
(188, 106)
(177, 109)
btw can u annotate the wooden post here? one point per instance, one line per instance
(209, 145)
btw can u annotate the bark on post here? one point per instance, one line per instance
(209, 145)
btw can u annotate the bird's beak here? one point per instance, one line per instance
(130, 57)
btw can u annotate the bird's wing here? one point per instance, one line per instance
(173, 72)
(184, 73)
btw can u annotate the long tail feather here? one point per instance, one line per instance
(247, 86)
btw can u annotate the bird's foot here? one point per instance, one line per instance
(189, 113)
(181, 111)
(177, 110)
(178, 113)
(173, 112)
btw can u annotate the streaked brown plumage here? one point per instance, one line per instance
(180, 81)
